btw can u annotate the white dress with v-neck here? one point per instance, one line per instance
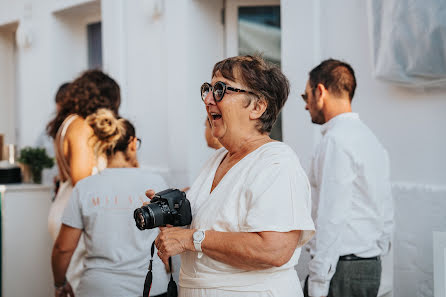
(265, 191)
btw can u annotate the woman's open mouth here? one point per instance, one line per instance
(215, 116)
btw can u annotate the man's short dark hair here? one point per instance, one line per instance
(337, 76)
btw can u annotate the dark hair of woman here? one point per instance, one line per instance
(84, 96)
(61, 92)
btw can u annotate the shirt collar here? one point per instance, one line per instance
(339, 118)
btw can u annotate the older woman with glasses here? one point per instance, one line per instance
(251, 203)
(101, 207)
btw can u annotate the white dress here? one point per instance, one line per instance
(265, 191)
(57, 208)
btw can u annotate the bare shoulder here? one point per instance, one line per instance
(79, 129)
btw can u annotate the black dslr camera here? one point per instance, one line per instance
(166, 207)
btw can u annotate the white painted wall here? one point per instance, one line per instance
(10, 11)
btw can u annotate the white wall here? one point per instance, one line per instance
(10, 11)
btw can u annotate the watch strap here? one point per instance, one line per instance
(197, 244)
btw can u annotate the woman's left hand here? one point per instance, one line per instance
(173, 241)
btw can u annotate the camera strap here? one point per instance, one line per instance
(172, 290)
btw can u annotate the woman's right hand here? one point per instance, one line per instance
(149, 193)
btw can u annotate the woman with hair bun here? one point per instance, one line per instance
(101, 207)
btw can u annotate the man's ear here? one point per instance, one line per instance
(258, 108)
(321, 94)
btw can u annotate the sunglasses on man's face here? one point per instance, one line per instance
(219, 90)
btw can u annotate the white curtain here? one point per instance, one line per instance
(409, 41)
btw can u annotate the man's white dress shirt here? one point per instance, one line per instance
(352, 201)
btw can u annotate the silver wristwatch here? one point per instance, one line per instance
(198, 238)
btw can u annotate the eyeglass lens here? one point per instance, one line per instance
(218, 91)
(205, 90)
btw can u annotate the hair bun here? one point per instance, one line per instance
(107, 129)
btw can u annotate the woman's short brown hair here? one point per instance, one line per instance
(262, 78)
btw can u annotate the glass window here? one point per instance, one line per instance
(94, 33)
(259, 33)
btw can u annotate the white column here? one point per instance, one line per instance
(300, 53)
(194, 36)
(114, 43)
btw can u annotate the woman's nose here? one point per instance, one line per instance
(209, 99)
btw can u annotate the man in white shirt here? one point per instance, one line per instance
(352, 202)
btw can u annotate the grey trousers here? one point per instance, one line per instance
(359, 278)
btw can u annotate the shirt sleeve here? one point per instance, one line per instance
(387, 215)
(335, 185)
(278, 199)
(72, 215)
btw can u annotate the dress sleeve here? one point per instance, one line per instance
(72, 215)
(278, 199)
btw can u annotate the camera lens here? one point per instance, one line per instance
(150, 216)
(140, 219)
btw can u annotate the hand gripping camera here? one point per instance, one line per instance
(166, 207)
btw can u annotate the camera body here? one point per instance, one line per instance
(166, 207)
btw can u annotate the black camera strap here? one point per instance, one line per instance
(172, 290)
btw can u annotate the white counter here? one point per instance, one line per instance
(26, 243)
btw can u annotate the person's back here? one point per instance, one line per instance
(370, 163)
(117, 252)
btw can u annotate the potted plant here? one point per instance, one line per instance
(36, 159)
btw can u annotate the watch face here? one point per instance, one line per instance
(198, 235)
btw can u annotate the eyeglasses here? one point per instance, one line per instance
(219, 90)
(305, 95)
(138, 143)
